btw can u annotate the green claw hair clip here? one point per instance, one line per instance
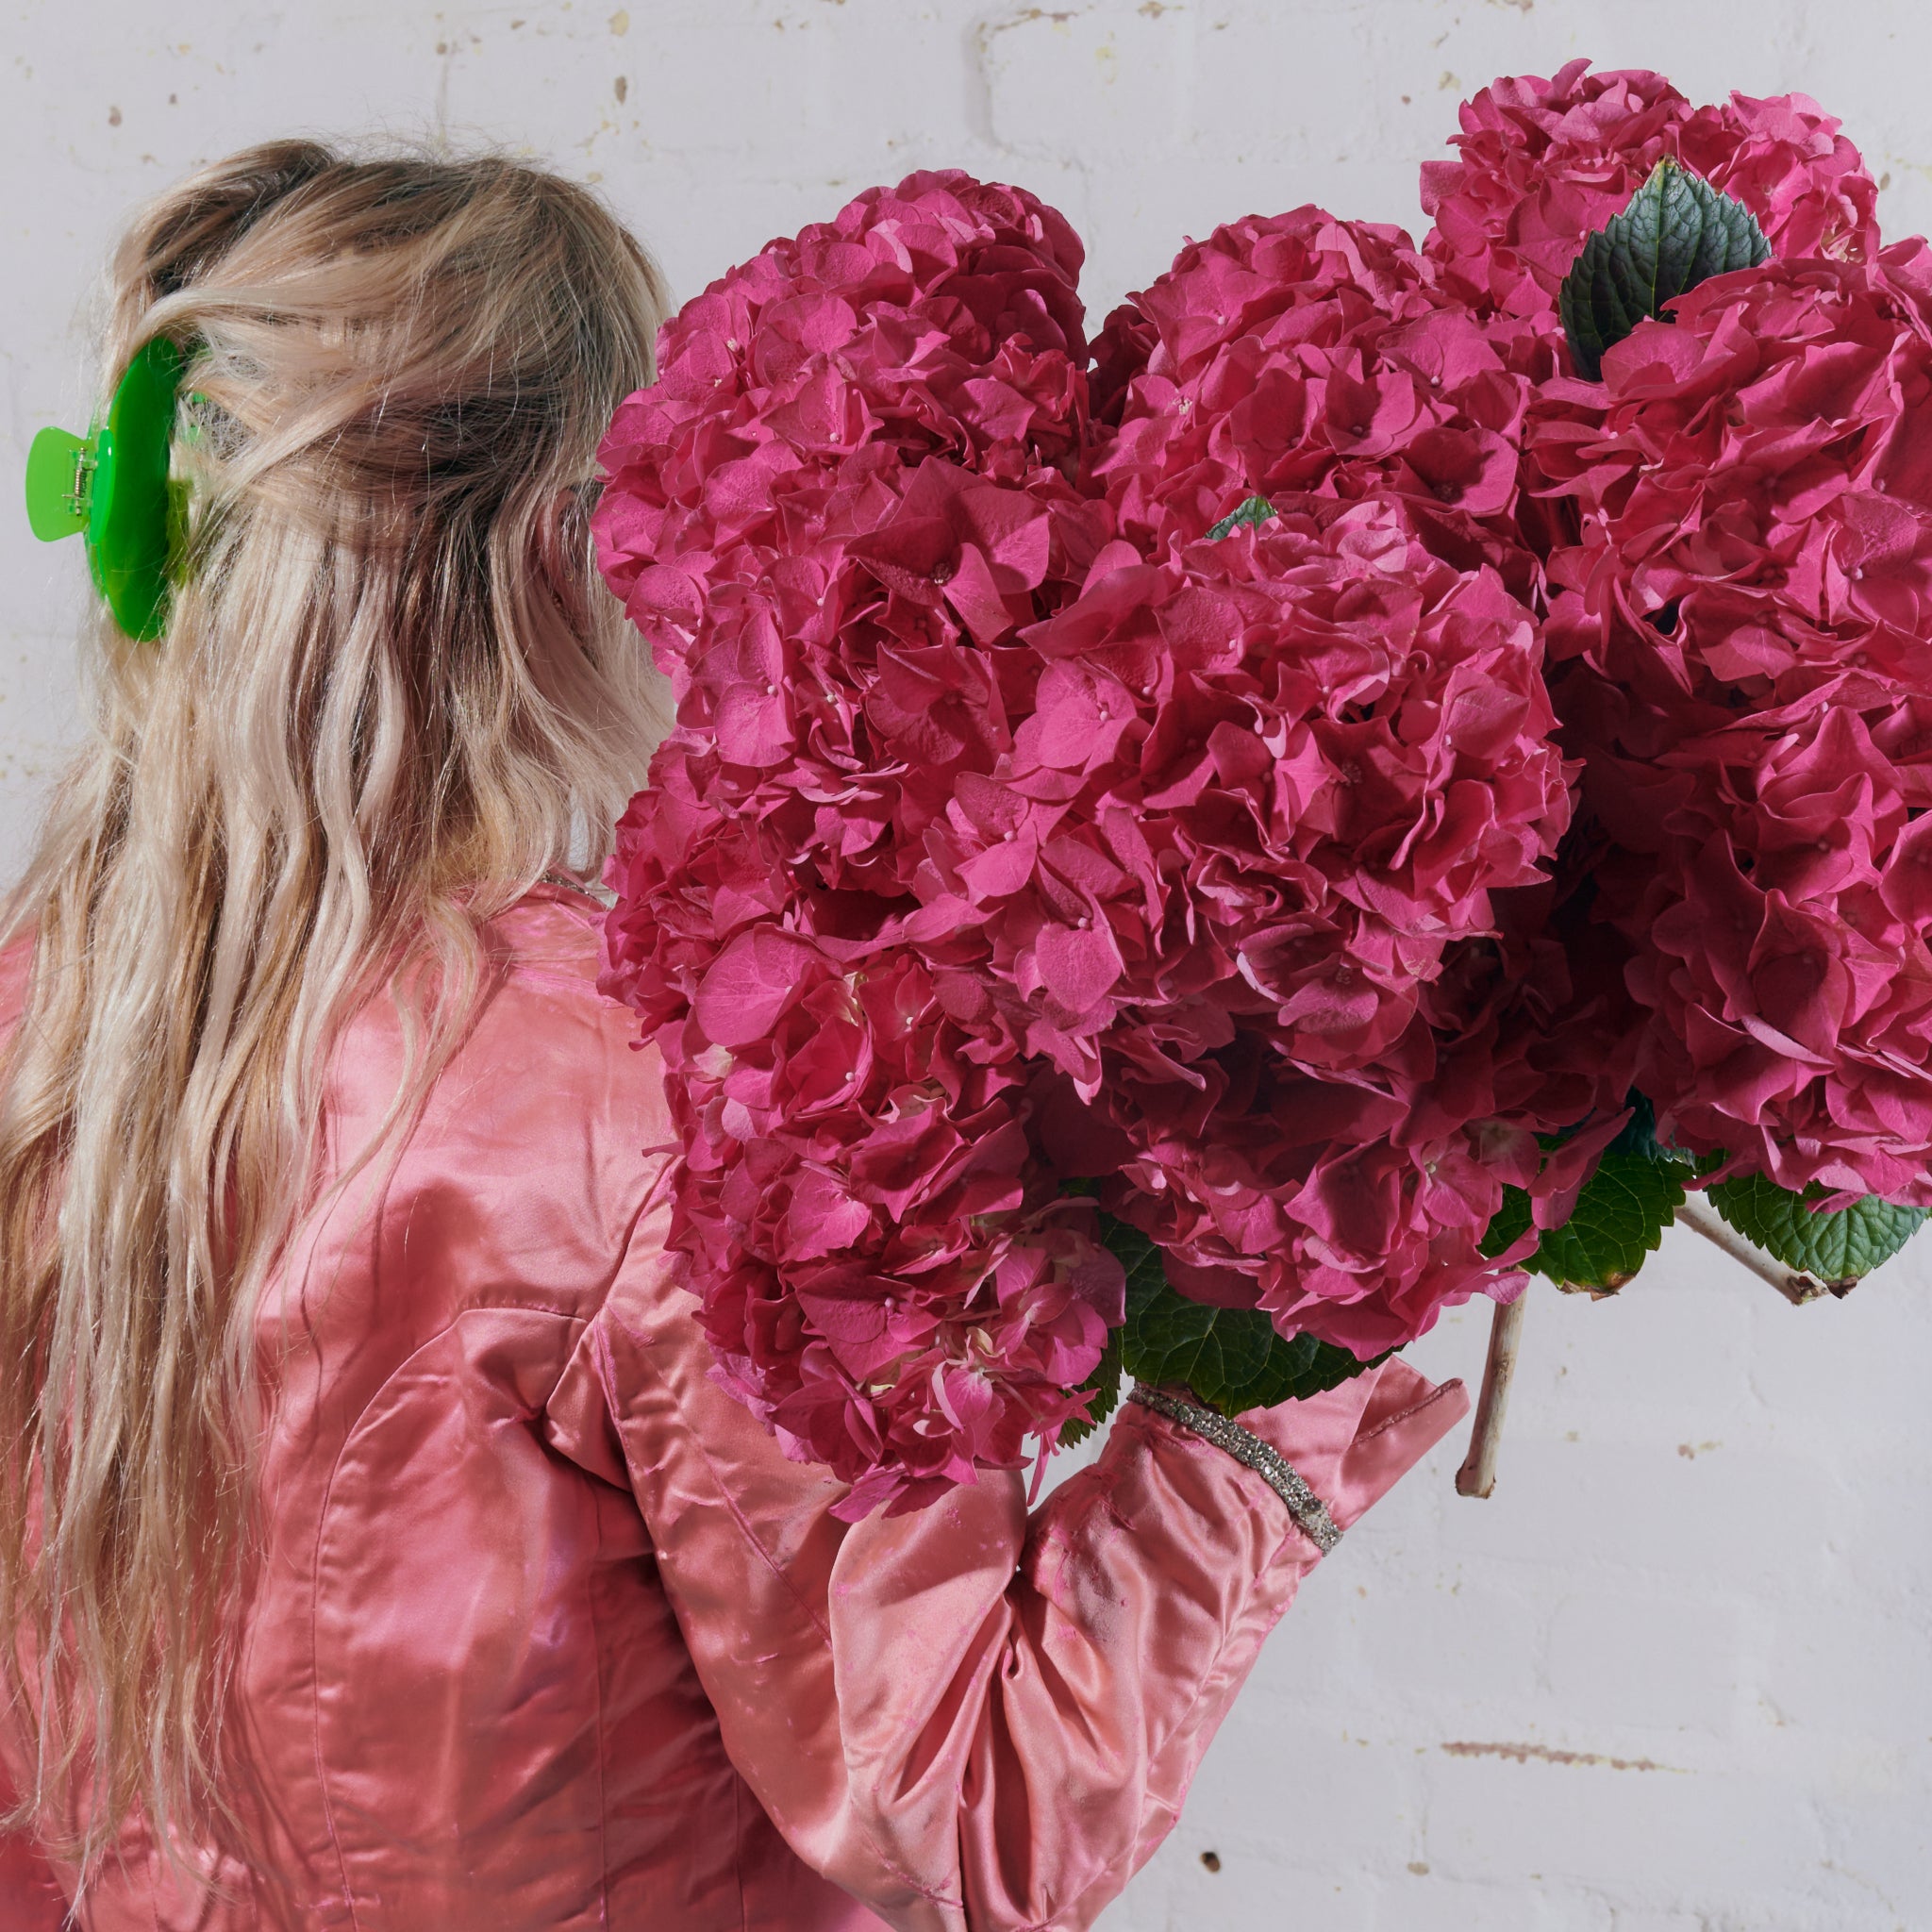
(112, 489)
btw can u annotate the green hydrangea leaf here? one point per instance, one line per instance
(1232, 1359)
(1675, 231)
(1639, 1134)
(1253, 510)
(1106, 1383)
(1619, 1216)
(1509, 1222)
(1620, 1220)
(1837, 1247)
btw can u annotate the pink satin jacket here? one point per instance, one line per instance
(546, 1632)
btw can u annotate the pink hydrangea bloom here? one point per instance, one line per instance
(1358, 1135)
(1743, 626)
(1301, 358)
(1543, 164)
(1271, 784)
(829, 515)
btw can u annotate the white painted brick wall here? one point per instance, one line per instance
(1674, 1676)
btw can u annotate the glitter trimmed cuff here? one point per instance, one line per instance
(1307, 1509)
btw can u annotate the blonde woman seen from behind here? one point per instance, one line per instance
(374, 1549)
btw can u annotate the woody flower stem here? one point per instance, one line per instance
(1796, 1289)
(1477, 1475)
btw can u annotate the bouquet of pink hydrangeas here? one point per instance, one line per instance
(1193, 853)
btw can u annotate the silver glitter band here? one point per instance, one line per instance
(1274, 1469)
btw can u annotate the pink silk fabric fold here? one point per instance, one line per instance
(545, 1631)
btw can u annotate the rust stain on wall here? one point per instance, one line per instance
(1543, 1754)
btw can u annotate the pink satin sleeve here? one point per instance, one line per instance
(968, 1717)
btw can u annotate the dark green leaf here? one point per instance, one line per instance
(1676, 231)
(1254, 509)
(1836, 1247)
(1639, 1133)
(1638, 1136)
(1619, 1216)
(1509, 1222)
(1106, 1383)
(1232, 1359)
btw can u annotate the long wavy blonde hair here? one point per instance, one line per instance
(391, 695)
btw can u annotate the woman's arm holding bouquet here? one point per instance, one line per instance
(964, 1715)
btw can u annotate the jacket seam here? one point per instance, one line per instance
(1428, 1401)
(737, 1846)
(373, 1234)
(321, 1516)
(603, 1740)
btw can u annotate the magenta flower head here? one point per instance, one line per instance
(1543, 164)
(1298, 356)
(1340, 767)
(1344, 763)
(1743, 624)
(831, 516)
